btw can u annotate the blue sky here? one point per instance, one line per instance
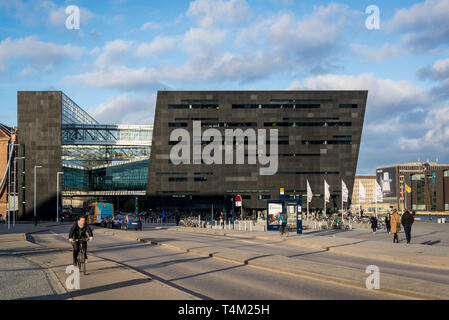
(126, 50)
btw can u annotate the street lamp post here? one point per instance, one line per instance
(57, 195)
(11, 150)
(35, 216)
(14, 192)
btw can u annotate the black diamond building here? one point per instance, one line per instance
(319, 134)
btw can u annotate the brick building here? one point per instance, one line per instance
(7, 136)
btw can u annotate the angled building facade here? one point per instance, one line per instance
(319, 134)
(97, 161)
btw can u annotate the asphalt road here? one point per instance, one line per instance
(211, 278)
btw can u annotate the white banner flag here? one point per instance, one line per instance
(344, 191)
(309, 193)
(379, 194)
(362, 192)
(326, 192)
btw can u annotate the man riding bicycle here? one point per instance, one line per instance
(80, 231)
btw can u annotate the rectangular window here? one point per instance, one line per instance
(171, 173)
(326, 142)
(275, 106)
(172, 179)
(193, 106)
(348, 106)
(177, 124)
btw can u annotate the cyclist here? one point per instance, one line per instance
(283, 221)
(79, 231)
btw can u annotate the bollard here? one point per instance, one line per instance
(245, 225)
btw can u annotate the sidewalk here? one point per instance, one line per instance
(341, 275)
(423, 255)
(36, 272)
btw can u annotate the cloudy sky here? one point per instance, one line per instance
(126, 50)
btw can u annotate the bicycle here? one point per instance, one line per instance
(283, 230)
(80, 259)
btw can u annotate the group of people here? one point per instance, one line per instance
(393, 222)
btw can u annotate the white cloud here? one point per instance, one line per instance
(212, 12)
(113, 52)
(387, 51)
(30, 48)
(439, 70)
(120, 77)
(150, 26)
(158, 45)
(126, 109)
(425, 25)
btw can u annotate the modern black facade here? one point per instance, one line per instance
(39, 120)
(94, 161)
(319, 134)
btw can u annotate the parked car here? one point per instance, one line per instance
(116, 221)
(132, 221)
(105, 223)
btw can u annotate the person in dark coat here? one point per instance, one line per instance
(80, 231)
(373, 220)
(177, 217)
(407, 221)
(388, 222)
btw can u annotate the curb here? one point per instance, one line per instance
(314, 275)
(338, 250)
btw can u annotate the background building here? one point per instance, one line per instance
(7, 137)
(369, 183)
(319, 138)
(429, 182)
(99, 162)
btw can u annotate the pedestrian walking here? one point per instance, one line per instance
(163, 216)
(395, 225)
(407, 221)
(222, 220)
(177, 217)
(388, 222)
(373, 220)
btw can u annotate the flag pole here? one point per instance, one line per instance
(376, 202)
(359, 202)
(405, 197)
(307, 209)
(342, 202)
(325, 214)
